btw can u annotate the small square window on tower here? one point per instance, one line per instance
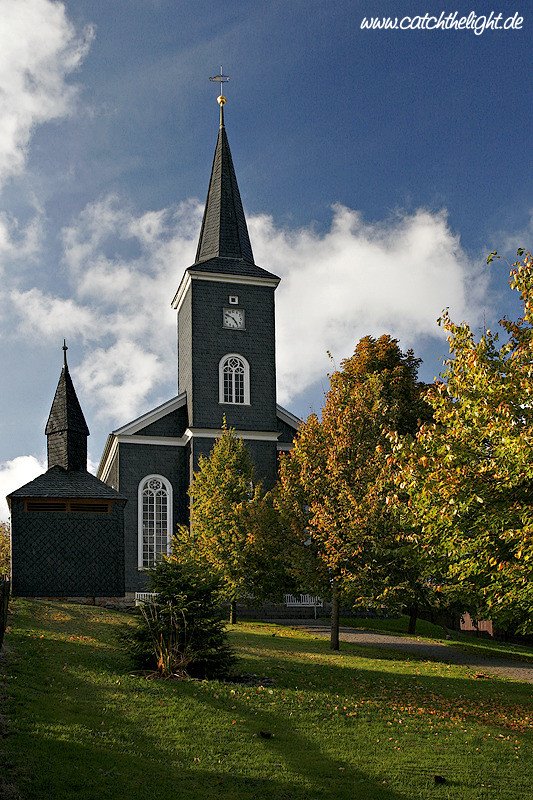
(233, 300)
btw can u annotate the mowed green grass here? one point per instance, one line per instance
(81, 724)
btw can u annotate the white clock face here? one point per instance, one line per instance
(233, 318)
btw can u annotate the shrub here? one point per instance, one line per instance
(182, 633)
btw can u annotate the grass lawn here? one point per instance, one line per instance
(344, 726)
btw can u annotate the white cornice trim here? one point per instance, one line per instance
(127, 438)
(218, 277)
(107, 458)
(165, 441)
(180, 441)
(214, 433)
(182, 291)
(287, 417)
(152, 416)
(226, 277)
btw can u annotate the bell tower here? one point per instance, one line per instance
(226, 325)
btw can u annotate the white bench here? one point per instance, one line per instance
(145, 597)
(303, 601)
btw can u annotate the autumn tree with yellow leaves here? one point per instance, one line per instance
(342, 530)
(467, 478)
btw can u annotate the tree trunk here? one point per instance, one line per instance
(334, 641)
(233, 612)
(413, 616)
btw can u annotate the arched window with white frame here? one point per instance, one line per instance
(234, 379)
(155, 519)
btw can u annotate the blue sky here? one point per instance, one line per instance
(377, 169)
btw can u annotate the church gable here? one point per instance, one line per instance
(164, 425)
(169, 414)
(172, 424)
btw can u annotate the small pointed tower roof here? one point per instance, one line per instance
(66, 428)
(224, 233)
(224, 244)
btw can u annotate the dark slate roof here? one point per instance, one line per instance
(66, 413)
(58, 482)
(224, 244)
(224, 233)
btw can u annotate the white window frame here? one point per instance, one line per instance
(221, 364)
(140, 511)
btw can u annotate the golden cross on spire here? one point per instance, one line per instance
(221, 100)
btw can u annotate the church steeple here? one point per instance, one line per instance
(224, 233)
(66, 428)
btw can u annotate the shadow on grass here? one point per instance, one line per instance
(93, 772)
(83, 727)
(395, 680)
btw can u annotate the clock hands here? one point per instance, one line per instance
(233, 318)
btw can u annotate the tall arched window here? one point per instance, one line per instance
(155, 519)
(234, 379)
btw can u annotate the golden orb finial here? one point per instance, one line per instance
(221, 100)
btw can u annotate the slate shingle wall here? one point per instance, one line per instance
(286, 433)
(173, 424)
(135, 463)
(67, 449)
(211, 341)
(67, 555)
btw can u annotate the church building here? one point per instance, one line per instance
(226, 371)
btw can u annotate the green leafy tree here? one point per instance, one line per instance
(467, 479)
(329, 480)
(234, 529)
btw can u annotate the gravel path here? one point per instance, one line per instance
(422, 648)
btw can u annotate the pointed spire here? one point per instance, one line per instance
(66, 428)
(224, 233)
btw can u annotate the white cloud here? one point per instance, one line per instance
(14, 474)
(39, 48)
(122, 270)
(125, 268)
(357, 279)
(19, 245)
(120, 377)
(54, 318)
(511, 241)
